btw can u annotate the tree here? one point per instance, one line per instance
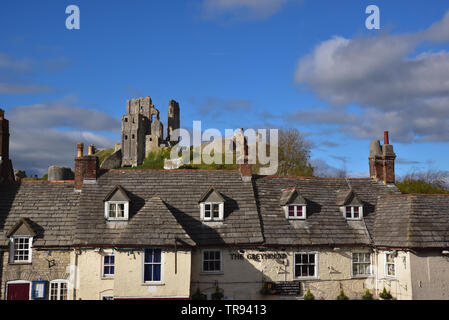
(294, 154)
(430, 181)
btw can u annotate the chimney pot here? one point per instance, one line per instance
(386, 138)
(91, 150)
(80, 147)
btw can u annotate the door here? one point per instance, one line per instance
(18, 291)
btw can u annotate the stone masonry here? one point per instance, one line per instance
(142, 130)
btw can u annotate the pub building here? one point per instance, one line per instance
(229, 234)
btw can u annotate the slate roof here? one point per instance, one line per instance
(413, 221)
(325, 224)
(164, 207)
(50, 208)
(180, 191)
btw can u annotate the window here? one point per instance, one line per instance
(58, 290)
(361, 264)
(390, 268)
(20, 249)
(108, 265)
(353, 212)
(152, 265)
(116, 210)
(211, 261)
(295, 211)
(305, 265)
(212, 211)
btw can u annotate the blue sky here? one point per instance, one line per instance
(311, 65)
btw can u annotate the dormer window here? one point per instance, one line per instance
(212, 206)
(116, 205)
(353, 212)
(293, 203)
(21, 249)
(350, 205)
(117, 210)
(295, 211)
(21, 237)
(212, 211)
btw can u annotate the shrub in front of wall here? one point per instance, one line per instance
(367, 296)
(217, 295)
(309, 295)
(385, 295)
(198, 295)
(342, 296)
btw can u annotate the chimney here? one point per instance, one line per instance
(381, 160)
(86, 167)
(242, 161)
(91, 150)
(6, 170)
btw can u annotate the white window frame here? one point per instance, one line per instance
(211, 218)
(18, 282)
(221, 261)
(125, 212)
(162, 268)
(103, 275)
(387, 263)
(370, 265)
(316, 265)
(58, 282)
(296, 217)
(352, 212)
(12, 249)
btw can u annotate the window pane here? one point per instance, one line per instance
(216, 210)
(312, 258)
(291, 211)
(157, 255)
(348, 212)
(148, 255)
(148, 272)
(121, 210)
(299, 211)
(157, 272)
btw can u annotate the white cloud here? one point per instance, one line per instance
(46, 134)
(396, 88)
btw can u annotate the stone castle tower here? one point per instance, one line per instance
(142, 130)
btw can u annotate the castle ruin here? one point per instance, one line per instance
(143, 132)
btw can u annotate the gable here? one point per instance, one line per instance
(211, 195)
(21, 228)
(348, 198)
(117, 194)
(290, 196)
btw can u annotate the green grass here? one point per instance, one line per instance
(103, 154)
(419, 186)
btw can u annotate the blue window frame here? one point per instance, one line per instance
(108, 265)
(38, 289)
(152, 265)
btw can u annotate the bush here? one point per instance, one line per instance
(385, 295)
(309, 295)
(217, 295)
(367, 296)
(198, 295)
(342, 296)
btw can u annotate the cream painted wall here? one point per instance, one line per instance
(242, 279)
(128, 278)
(399, 286)
(430, 275)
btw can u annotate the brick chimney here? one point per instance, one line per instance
(86, 167)
(381, 160)
(6, 170)
(242, 162)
